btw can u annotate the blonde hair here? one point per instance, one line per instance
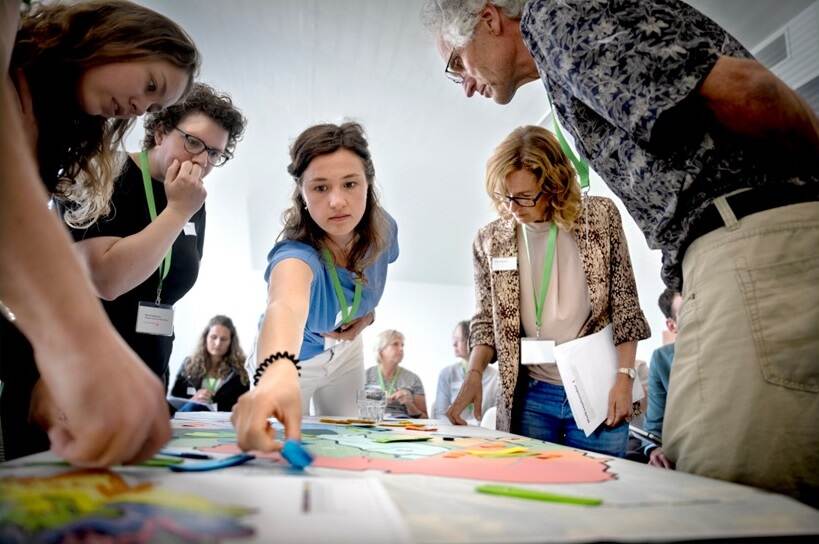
(78, 153)
(384, 339)
(537, 150)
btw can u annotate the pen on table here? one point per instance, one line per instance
(535, 495)
(305, 498)
(214, 464)
(185, 454)
(646, 435)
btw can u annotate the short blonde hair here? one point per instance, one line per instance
(384, 339)
(537, 150)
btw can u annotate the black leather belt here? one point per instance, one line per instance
(750, 202)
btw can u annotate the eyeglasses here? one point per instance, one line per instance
(195, 146)
(450, 69)
(523, 202)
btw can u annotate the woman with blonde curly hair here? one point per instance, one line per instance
(555, 267)
(79, 74)
(215, 372)
(84, 72)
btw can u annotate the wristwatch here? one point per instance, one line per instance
(630, 372)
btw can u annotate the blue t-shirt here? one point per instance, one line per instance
(324, 313)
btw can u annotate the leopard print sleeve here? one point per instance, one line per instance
(627, 317)
(481, 330)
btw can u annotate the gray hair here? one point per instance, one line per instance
(384, 339)
(455, 20)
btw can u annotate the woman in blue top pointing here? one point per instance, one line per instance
(325, 277)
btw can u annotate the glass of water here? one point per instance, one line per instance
(371, 401)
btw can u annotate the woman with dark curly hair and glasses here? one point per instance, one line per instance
(554, 267)
(215, 373)
(79, 73)
(145, 255)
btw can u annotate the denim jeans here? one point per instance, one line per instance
(546, 416)
(193, 407)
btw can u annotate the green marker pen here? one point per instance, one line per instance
(534, 495)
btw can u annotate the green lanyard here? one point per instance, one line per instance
(149, 196)
(390, 389)
(464, 365)
(347, 313)
(581, 166)
(548, 260)
(210, 384)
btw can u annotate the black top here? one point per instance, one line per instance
(225, 397)
(129, 215)
(18, 374)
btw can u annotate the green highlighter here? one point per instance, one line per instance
(534, 495)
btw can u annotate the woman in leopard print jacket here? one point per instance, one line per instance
(533, 186)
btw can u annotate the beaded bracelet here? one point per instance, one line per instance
(270, 360)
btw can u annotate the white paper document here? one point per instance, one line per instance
(588, 368)
(309, 510)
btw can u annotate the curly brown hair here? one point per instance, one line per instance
(372, 231)
(55, 45)
(537, 150)
(197, 365)
(202, 99)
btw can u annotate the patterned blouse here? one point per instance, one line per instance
(610, 278)
(612, 69)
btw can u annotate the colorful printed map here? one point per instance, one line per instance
(512, 460)
(101, 506)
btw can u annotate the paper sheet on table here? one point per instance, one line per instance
(588, 368)
(141, 505)
(339, 510)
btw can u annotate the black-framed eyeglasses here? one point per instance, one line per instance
(195, 146)
(449, 70)
(522, 201)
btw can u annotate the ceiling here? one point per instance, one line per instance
(290, 64)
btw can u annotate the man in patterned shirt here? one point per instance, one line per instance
(717, 161)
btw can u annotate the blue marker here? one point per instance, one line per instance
(296, 454)
(215, 464)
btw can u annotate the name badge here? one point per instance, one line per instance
(191, 391)
(156, 319)
(504, 263)
(534, 351)
(190, 229)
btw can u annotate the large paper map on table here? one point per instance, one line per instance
(509, 460)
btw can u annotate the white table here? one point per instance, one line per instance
(641, 504)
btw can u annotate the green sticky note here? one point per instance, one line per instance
(400, 438)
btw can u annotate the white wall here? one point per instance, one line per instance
(425, 313)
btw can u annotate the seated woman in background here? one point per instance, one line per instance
(80, 73)
(145, 256)
(325, 277)
(570, 277)
(215, 373)
(452, 377)
(405, 392)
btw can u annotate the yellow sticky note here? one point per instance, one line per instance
(506, 452)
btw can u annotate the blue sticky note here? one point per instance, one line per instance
(296, 454)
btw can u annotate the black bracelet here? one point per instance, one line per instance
(270, 360)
